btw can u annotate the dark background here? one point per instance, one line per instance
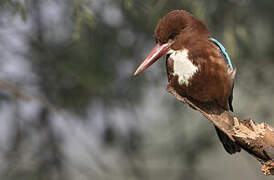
(71, 109)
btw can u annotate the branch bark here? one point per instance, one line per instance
(256, 139)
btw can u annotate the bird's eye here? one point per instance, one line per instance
(172, 36)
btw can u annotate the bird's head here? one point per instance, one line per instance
(172, 33)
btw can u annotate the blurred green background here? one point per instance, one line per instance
(71, 109)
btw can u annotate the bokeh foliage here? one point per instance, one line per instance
(83, 53)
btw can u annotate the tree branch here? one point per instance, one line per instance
(256, 139)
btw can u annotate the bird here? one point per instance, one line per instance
(197, 65)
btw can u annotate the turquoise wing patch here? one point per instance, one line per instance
(223, 50)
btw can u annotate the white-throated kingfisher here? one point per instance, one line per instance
(197, 65)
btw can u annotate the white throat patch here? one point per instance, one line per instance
(183, 67)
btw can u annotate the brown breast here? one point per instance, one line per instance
(212, 81)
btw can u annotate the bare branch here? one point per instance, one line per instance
(256, 139)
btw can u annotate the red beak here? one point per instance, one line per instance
(157, 52)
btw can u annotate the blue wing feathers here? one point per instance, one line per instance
(223, 50)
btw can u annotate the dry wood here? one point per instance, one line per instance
(256, 139)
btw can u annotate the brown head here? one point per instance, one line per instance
(173, 32)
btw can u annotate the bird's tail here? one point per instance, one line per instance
(230, 146)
